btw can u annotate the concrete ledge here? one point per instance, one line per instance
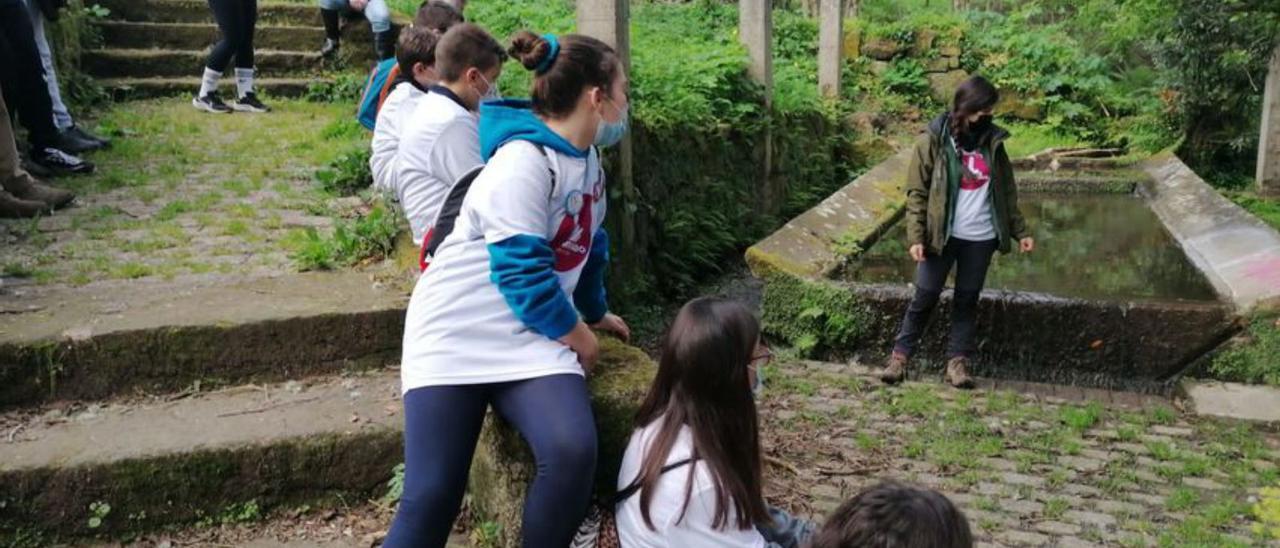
(1233, 401)
(1137, 346)
(503, 465)
(101, 340)
(1238, 253)
(174, 63)
(811, 244)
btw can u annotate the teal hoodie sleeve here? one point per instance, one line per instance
(523, 268)
(590, 296)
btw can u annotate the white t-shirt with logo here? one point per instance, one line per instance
(399, 105)
(441, 143)
(667, 503)
(459, 329)
(973, 220)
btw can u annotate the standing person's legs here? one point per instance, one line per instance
(554, 415)
(22, 196)
(227, 14)
(380, 23)
(25, 74)
(61, 116)
(441, 426)
(329, 12)
(930, 277)
(972, 262)
(246, 96)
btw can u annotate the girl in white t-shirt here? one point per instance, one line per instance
(701, 412)
(502, 316)
(441, 140)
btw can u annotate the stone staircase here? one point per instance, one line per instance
(158, 47)
(171, 404)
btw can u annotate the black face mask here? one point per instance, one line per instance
(981, 126)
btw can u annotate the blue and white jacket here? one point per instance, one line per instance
(525, 260)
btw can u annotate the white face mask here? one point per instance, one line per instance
(492, 93)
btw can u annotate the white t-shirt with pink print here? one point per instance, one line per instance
(973, 219)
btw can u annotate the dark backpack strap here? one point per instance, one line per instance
(452, 207)
(449, 210)
(632, 489)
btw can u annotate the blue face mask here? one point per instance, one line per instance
(758, 385)
(610, 133)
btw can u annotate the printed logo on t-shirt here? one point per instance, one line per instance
(572, 241)
(976, 173)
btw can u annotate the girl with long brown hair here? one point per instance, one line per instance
(699, 424)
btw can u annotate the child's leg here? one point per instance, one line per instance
(554, 415)
(441, 426)
(930, 277)
(379, 15)
(972, 261)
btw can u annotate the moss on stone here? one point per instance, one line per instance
(815, 316)
(503, 465)
(149, 493)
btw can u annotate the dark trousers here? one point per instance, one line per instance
(22, 74)
(441, 427)
(236, 21)
(971, 260)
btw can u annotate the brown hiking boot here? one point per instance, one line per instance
(958, 372)
(895, 370)
(26, 187)
(17, 208)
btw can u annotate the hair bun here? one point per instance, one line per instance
(530, 49)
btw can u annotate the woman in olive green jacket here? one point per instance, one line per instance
(962, 206)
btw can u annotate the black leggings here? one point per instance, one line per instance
(971, 260)
(236, 21)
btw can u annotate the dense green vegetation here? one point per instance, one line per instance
(1126, 73)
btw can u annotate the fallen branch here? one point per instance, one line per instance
(268, 408)
(782, 464)
(13, 433)
(848, 472)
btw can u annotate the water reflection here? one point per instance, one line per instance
(1089, 246)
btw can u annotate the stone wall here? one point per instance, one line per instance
(939, 51)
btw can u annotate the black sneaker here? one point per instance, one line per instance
(81, 133)
(250, 103)
(210, 103)
(61, 163)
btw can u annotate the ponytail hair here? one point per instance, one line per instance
(563, 67)
(972, 96)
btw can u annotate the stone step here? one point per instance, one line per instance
(115, 338)
(199, 36)
(165, 461)
(142, 88)
(119, 63)
(197, 11)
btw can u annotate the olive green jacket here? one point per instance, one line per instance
(932, 189)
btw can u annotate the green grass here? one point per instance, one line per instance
(1027, 139)
(162, 157)
(1182, 499)
(1253, 359)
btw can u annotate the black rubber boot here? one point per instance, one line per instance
(384, 44)
(332, 33)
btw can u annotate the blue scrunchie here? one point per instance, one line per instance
(550, 59)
